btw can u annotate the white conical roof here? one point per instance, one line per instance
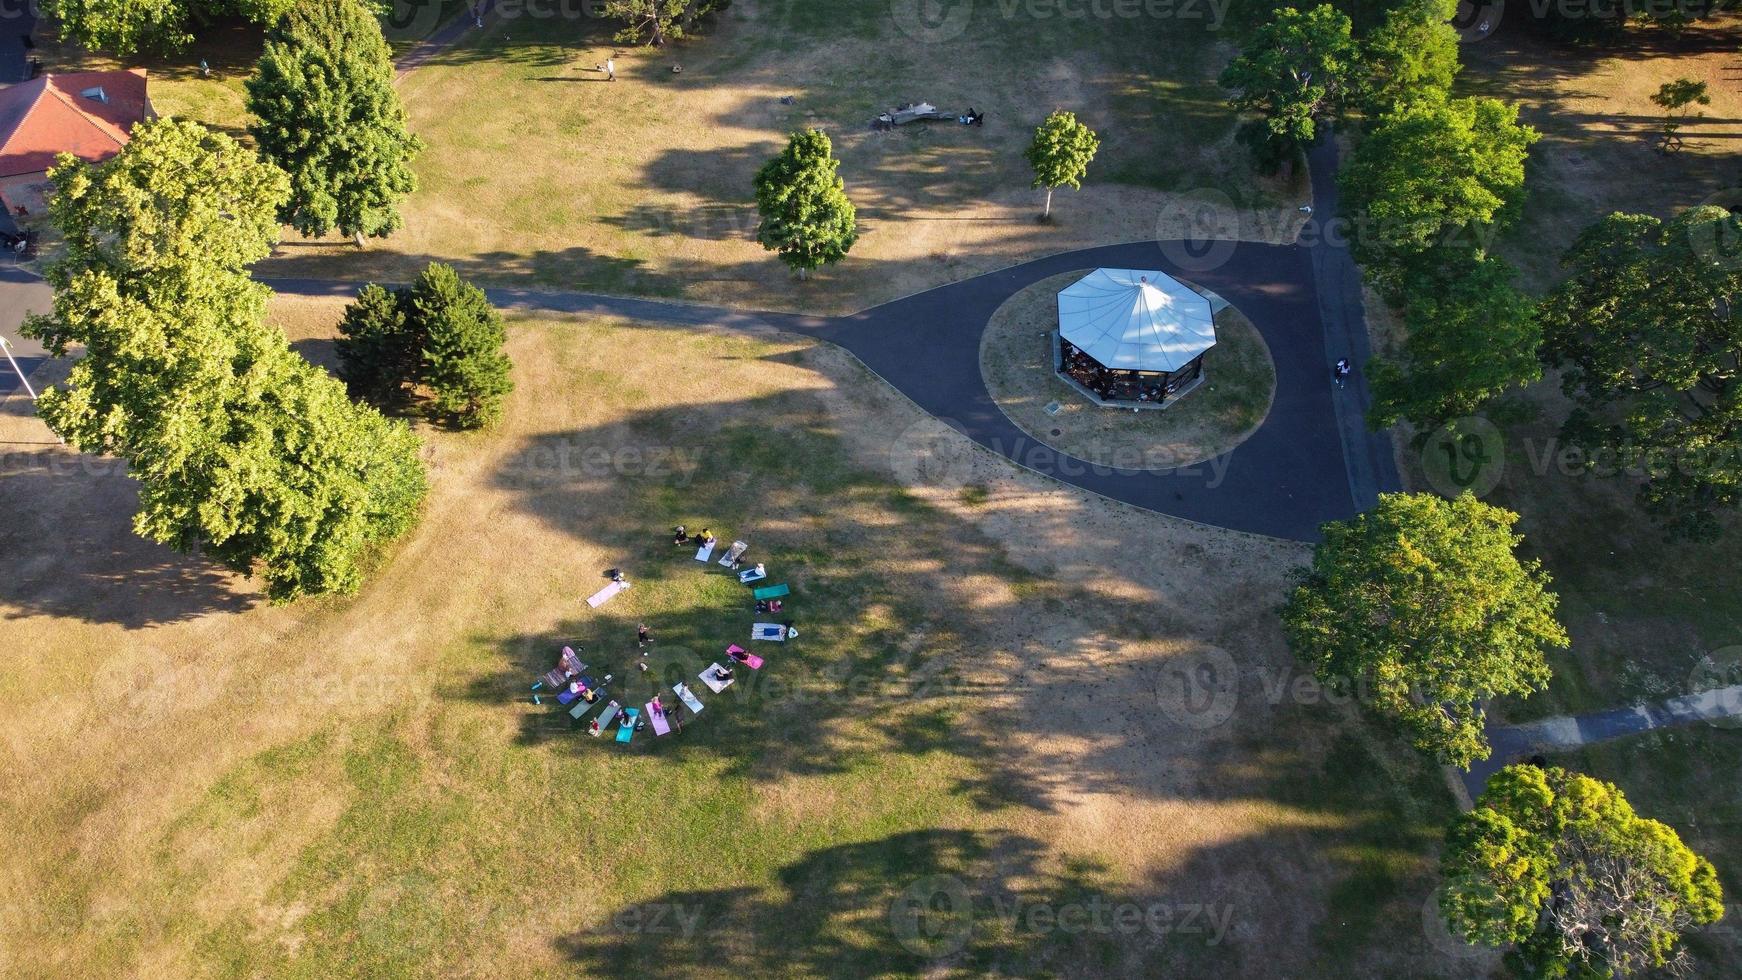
(1133, 320)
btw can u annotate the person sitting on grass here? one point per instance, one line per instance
(679, 535)
(593, 728)
(723, 672)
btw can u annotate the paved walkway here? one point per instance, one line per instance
(1516, 743)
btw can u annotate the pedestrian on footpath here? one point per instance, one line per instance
(1341, 372)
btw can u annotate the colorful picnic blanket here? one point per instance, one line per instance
(705, 552)
(734, 553)
(715, 682)
(744, 656)
(626, 727)
(772, 591)
(771, 632)
(656, 718)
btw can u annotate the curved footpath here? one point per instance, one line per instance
(1313, 459)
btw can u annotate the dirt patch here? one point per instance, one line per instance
(1235, 397)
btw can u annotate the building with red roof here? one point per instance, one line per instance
(89, 114)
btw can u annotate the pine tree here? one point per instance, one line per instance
(378, 353)
(806, 215)
(330, 117)
(463, 364)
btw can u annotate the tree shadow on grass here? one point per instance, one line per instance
(70, 550)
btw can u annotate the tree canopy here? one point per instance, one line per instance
(439, 337)
(806, 216)
(1412, 55)
(157, 26)
(1422, 605)
(328, 114)
(241, 448)
(1061, 153)
(658, 21)
(1558, 867)
(1471, 335)
(1435, 175)
(1645, 332)
(1294, 68)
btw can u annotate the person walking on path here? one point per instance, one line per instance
(610, 69)
(1340, 373)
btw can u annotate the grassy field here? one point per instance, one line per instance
(1016, 360)
(196, 783)
(539, 173)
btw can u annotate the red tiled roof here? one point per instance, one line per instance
(50, 115)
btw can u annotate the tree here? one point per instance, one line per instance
(327, 113)
(159, 26)
(440, 336)
(1421, 603)
(1429, 174)
(1674, 98)
(1412, 55)
(657, 21)
(1648, 340)
(463, 364)
(1471, 336)
(806, 216)
(378, 355)
(1060, 154)
(1294, 68)
(241, 448)
(1559, 867)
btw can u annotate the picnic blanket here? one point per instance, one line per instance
(581, 708)
(626, 727)
(772, 591)
(604, 595)
(609, 713)
(571, 661)
(715, 682)
(689, 700)
(656, 717)
(749, 575)
(744, 657)
(734, 553)
(554, 679)
(773, 632)
(705, 552)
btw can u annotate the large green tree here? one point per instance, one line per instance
(1422, 605)
(806, 216)
(1060, 154)
(1470, 335)
(328, 114)
(1412, 55)
(1293, 69)
(1647, 336)
(1558, 868)
(134, 26)
(1435, 176)
(242, 450)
